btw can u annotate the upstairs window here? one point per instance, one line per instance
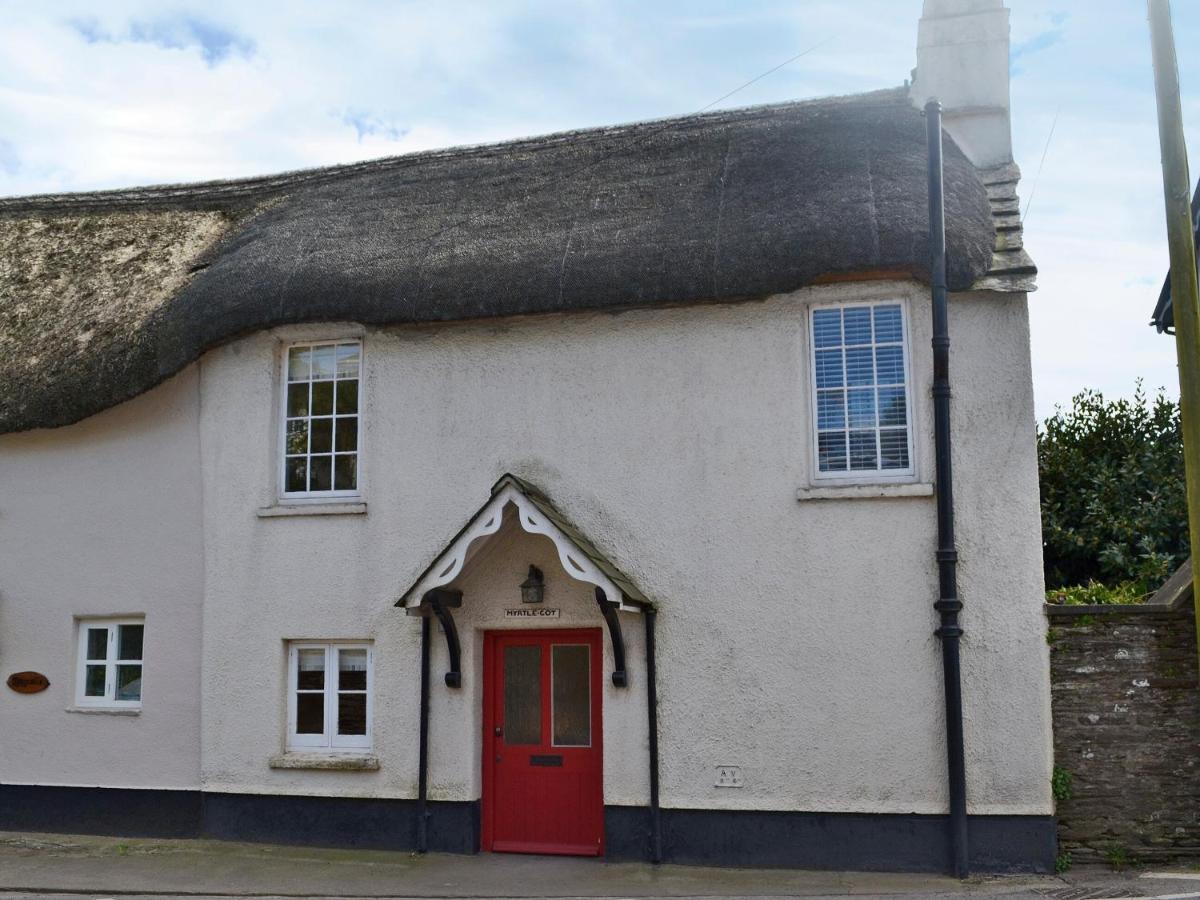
(861, 391)
(321, 419)
(110, 662)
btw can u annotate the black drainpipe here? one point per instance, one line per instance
(652, 713)
(423, 761)
(948, 603)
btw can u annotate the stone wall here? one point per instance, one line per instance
(1127, 728)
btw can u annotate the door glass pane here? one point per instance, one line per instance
(94, 683)
(97, 643)
(129, 682)
(352, 714)
(129, 641)
(570, 666)
(522, 695)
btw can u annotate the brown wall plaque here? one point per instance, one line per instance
(28, 682)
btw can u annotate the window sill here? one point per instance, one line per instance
(105, 710)
(865, 491)
(343, 762)
(323, 508)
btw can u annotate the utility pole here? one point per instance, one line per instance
(1181, 241)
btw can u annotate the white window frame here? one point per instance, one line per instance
(108, 701)
(282, 454)
(862, 476)
(329, 741)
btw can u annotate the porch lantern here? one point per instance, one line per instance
(533, 588)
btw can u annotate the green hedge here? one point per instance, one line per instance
(1114, 502)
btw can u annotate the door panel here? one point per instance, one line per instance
(543, 780)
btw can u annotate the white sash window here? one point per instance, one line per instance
(110, 663)
(329, 696)
(321, 419)
(861, 393)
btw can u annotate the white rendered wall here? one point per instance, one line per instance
(103, 518)
(795, 637)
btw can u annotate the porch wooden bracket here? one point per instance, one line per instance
(440, 602)
(608, 609)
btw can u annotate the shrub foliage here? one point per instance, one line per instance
(1114, 502)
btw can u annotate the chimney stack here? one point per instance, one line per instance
(962, 61)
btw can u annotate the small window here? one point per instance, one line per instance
(110, 662)
(861, 406)
(321, 419)
(329, 696)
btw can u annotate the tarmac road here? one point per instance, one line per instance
(67, 867)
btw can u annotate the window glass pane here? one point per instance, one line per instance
(831, 412)
(858, 366)
(310, 714)
(295, 474)
(94, 682)
(97, 643)
(893, 447)
(298, 363)
(345, 472)
(129, 682)
(347, 397)
(297, 399)
(347, 434)
(861, 408)
(890, 364)
(320, 473)
(311, 670)
(862, 450)
(129, 641)
(322, 398)
(887, 324)
(347, 360)
(892, 405)
(352, 670)
(857, 323)
(522, 695)
(297, 436)
(322, 436)
(827, 327)
(829, 368)
(322, 362)
(352, 714)
(571, 686)
(831, 451)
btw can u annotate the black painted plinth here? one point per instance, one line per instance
(893, 843)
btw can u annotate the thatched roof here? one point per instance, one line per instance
(107, 294)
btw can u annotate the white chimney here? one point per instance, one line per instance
(962, 60)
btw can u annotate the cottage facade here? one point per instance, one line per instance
(286, 457)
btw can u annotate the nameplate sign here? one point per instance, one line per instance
(28, 682)
(531, 612)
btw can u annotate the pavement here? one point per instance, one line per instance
(71, 867)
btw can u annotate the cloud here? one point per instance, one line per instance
(10, 163)
(368, 125)
(216, 43)
(1041, 41)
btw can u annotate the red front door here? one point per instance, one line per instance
(542, 756)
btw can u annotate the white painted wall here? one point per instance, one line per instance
(796, 638)
(103, 518)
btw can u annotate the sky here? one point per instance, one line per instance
(133, 92)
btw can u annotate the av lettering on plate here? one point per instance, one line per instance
(537, 612)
